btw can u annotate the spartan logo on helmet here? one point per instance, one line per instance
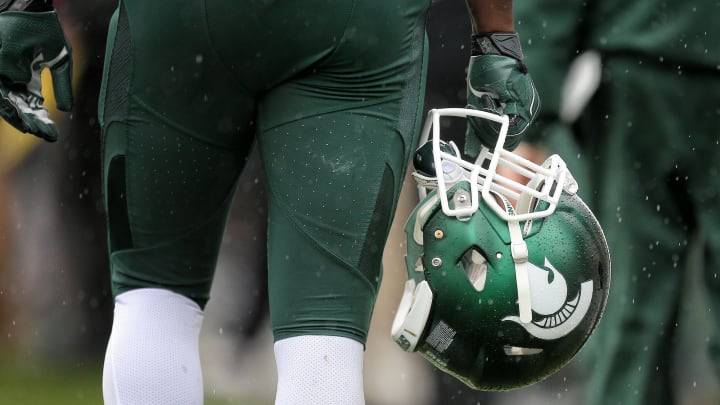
(548, 298)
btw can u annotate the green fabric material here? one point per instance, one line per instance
(652, 201)
(646, 155)
(551, 34)
(676, 35)
(332, 90)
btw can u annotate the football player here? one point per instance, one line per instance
(331, 90)
(648, 145)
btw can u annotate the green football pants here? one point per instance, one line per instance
(332, 92)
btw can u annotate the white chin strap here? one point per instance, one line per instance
(519, 251)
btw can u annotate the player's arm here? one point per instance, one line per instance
(491, 15)
(31, 39)
(498, 80)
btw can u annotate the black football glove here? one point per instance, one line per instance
(498, 82)
(31, 39)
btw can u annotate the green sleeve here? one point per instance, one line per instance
(552, 36)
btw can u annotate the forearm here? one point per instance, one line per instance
(491, 15)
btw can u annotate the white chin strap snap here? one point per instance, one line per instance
(412, 315)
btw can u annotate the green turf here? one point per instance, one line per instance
(24, 383)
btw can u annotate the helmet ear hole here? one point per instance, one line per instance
(475, 267)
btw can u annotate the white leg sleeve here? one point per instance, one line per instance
(153, 353)
(325, 370)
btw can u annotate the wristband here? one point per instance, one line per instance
(497, 43)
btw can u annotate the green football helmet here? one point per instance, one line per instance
(507, 279)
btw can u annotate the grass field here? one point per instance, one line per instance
(31, 384)
(23, 383)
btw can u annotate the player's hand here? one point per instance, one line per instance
(498, 82)
(30, 42)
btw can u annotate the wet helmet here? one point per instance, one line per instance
(507, 278)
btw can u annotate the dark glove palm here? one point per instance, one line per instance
(29, 42)
(499, 84)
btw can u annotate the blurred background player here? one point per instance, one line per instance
(644, 150)
(648, 142)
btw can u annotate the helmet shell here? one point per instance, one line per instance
(474, 332)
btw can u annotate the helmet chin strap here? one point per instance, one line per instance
(519, 251)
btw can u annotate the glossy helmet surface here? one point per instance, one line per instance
(507, 279)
